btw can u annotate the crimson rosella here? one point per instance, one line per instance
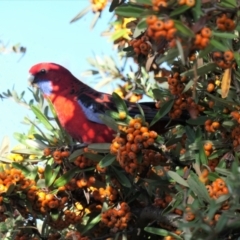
(78, 106)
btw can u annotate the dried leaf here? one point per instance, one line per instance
(226, 80)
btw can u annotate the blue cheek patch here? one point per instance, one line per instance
(45, 86)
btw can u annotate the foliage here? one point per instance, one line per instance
(178, 182)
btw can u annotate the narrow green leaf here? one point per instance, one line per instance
(24, 169)
(107, 160)
(91, 224)
(42, 118)
(109, 122)
(65, 178)
(179, 10)
(129, 11)
(166, 107)
(181, 27)
(118, 34)
(177, 178)
(41, 183)
(198, 121)
(224, 35)
(198, 187)
(120, 175)
(218, 45)
(50, 174)
(202, 156)
(157, 231)
(100, 147)
(209, 67)
(119, 102)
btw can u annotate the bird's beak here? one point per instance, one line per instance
(31, 79)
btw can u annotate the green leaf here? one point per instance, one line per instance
(218, 45)
(107, 160)
(181, 27)
(120, 103)
(161, 232)
(24, 169)
(42, 118)
(41, 183)
(91, 224)
(198, 121)
(100, 147)
(198, 187)
(118, 34)
(224, 35)
(75, 154)
(166, 107)
(27, 152)
(197, 10)
(179, 10)
(202, 156)
(190, 134)
(93, 156)
(120, 175)
(169, 57)
(140, 28)
(177, 178)
(65, 178)
(109, 121)
(203, 53)
(50, 174)
(209, 67)
(10, 189)
(129, 11)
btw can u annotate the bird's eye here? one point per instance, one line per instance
(42, 71)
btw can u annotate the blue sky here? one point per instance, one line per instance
(43, 27)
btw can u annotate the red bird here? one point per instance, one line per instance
(78, 106)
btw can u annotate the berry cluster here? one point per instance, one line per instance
(217, 188)
(211, 126)
(117, 219)
(137, 138)
(223, 59)
(158, 29)
(202, 39)
(225, 23)
(140, 46)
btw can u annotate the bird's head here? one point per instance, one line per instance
(49, 77)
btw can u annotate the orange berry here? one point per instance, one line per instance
(168, 24)
(208, 146)
(145, 136)
(153, 134)
(215, 125)
(151, 19)
(181, 2)
(206, 32)
(204, 42)
(137, 125)
(160, 34)
(158, 25)
(130, 137)
(171, 33)
(210, 87)
(190, 3)
(228, 55)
